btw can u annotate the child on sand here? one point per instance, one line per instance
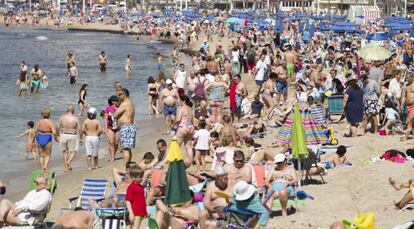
(202, 147)
(135, 198)
(335, 159)
(30, 137)
(92, 129)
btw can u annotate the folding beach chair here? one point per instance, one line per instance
(259, 171)
(92, 189)
(335, 107)
(111, 218)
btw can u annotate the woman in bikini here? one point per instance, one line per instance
(152, 91)
(22, 84)
(216, 91)
(45, 130)
(82, 98)
(111, 127)
(128, 65)
(281, 181)
(185, 124)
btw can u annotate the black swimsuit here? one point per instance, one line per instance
(82, 100)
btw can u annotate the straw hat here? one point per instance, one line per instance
(243, 191)
(352, 77)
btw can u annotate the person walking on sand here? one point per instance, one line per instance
(30, 140)
(92, 130)
(127, 130)
(103, 61)
(68, 129)
(169, 99)
(44, 130)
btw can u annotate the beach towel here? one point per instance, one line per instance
(314, 132)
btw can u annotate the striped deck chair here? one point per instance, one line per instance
(92, 189)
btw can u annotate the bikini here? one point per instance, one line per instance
(153, 92)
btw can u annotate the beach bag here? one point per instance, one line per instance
(200, 91)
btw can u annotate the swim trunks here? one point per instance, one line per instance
(36, 84)
(281, 87)
(68, 142)
(127, 135)
(290, 69)
(103, 67)
(170, 110)
(92, 145)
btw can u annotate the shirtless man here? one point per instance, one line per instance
(290, 58)
(92, 130)
(158, 61)
(214, 203)
(407, 98)
(238, 170)
(227, 71)
(36, 75)
(237, 92)
(73, 73)
(68, 129)
(70, 59)
(169, 98)
(281, 84)
(212, 66)
(228, 130)
(127, 129)
(103, 61)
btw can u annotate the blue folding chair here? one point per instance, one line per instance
(92, 189)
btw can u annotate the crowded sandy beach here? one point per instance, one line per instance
(226, 119)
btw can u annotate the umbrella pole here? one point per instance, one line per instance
(300, 174)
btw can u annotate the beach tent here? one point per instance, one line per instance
(345, 23)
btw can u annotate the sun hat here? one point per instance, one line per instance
(350, 78)
(243, 191)
(279, 158)
(168, 81)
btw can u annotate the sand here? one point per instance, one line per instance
(346, 191)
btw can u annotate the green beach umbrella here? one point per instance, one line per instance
(177, 191)
(299, 148)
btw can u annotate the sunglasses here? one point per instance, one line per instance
(239, 161)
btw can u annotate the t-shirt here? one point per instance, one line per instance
(202, 137)
(371, 90)
(110, 121)
(257, 107)
(391, 114)
(376, 74)
(261, 69)
(394, 89)
(135, 195)
(181, 78)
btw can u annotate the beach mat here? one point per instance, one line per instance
(291, 203)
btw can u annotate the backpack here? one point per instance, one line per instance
(200, 89)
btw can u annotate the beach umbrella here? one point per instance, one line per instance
(177, 191)
(374, 52)
(299, 148)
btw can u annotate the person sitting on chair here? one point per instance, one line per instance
(281, 181)
(19, 213)
(215, 199)
(245, 199)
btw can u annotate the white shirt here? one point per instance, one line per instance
(394, 88)
(36, 201)
(181, 78)
(391, 114)
(261, 68)
(202, 137)
(235, 56)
